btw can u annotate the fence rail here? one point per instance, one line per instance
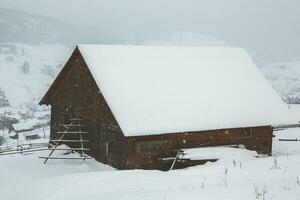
(282, 127)
(289, 140)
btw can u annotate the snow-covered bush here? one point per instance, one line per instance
(260, 192)
(223, 178)
(25, 68)
(275, 163)
(234, 162)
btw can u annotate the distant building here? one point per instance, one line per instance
(142, 104)
(3, 101)
(6, 122)
(27, 125)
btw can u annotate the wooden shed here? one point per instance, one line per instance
(142, 104)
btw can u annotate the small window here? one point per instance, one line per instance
(153, 148)
(245, 132)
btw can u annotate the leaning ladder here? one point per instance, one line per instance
(73, 129)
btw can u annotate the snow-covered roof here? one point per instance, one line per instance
(164, 89)
(26, 125)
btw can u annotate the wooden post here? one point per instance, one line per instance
(81, 139)
(43, 124)
(106, 150)
(177, 155)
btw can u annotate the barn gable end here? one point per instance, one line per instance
(74, 93)
(48, 98)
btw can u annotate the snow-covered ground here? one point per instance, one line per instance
(287, 148)
(239, 174)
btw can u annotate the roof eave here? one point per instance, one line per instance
(203, 130)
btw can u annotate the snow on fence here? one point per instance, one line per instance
(281, 127)
(23, 148)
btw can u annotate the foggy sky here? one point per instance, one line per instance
(270, 28)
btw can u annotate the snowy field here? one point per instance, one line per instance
(239, 174)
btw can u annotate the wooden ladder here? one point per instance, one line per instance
(69, 130)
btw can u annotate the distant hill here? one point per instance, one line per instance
(187, 38)
(21, 27)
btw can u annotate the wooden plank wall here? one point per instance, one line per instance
(260, 140)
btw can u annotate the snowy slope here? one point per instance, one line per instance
(295, 110)
(285, 78)
(27, 71)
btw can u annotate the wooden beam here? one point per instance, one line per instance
(76, 119)
(74, 125)
(72, 149)
(73, 132)
(176, 158)
(75, 141)
(289, 140)
(65, 158)
(57, 143)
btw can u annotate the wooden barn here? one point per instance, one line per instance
(142, 104)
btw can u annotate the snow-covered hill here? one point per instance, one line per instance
(27, 71)
(20, 27)
(285, 78)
